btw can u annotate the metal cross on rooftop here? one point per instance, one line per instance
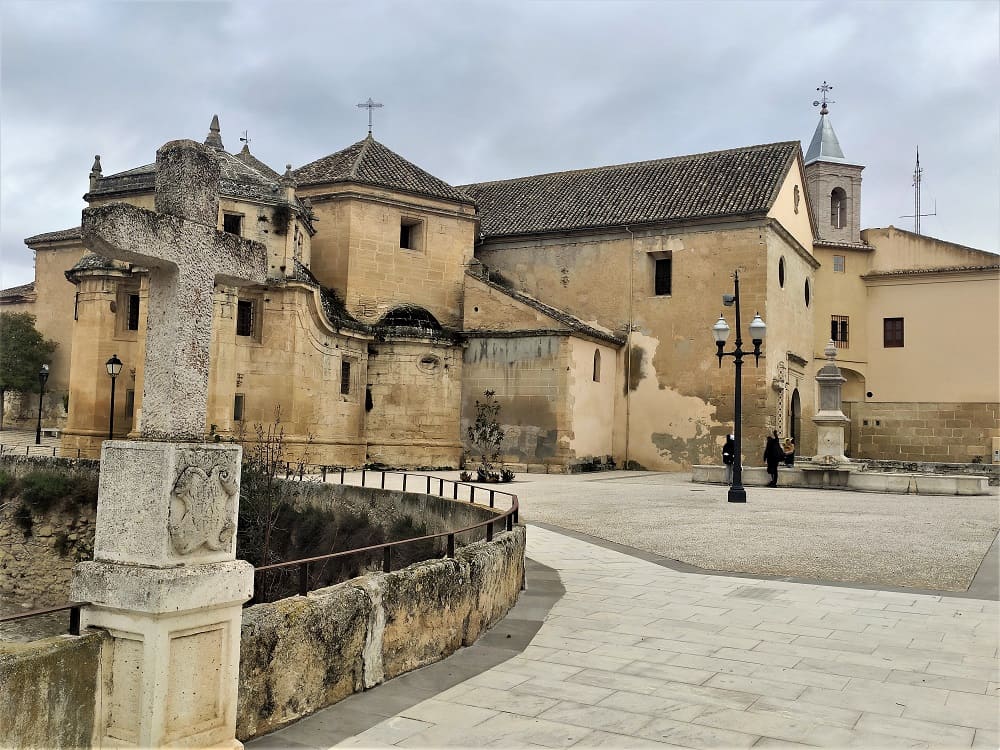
(370, 105)
(823, 100)
(245, 138)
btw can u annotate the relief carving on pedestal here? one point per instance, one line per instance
(202, 503)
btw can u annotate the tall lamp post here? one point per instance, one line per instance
(114, 366)
(43, 375)
(737, 494)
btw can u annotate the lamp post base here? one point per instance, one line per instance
(737, 495)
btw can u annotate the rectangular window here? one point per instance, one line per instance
(892, 332)
(839, 263)
(345, 377)
(662, 276)
(238, 407)
(409, 234)
(232, 223)
(133, 312)
(244, 317)
(839, 332)
(129, 402)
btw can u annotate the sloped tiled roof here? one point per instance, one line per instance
(938, 269)
(716, 184)
(238, 178)
(62, 234)
(368, 162)
(254, 163)
(18, 291)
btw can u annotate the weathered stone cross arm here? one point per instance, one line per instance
(185, 255)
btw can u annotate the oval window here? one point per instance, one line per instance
(429, 363)
(807, 293)
(781, 272)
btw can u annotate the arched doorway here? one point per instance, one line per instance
(795, 419)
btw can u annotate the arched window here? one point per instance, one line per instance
(597, 365)
(838, 208)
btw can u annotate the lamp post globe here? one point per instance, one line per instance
(114, 366)
(43, 375)
(720, 331)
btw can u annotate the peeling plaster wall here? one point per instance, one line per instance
(592, 404)
(528, 375)
(679, 403)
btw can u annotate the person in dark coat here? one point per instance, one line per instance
(773, 455)
(728, 456)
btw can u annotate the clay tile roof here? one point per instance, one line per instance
(368, 162)
(18, 291)
(937, 269)
(254, 163)
(717, 184)
(62, 234)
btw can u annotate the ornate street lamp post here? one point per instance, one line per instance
(737, 494)
(43, 375)
(114, 366)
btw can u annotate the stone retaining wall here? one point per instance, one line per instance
(306, 652)
(36, 565)
(928, 432)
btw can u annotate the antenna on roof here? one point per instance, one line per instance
(245, 138)
(370, 105)
(823, 89)
(918, 173)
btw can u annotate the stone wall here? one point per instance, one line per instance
(948, 432)
(37, 559)
(48, 692)
(353, 636)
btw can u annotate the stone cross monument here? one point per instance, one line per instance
(164, 581)
(830, 419)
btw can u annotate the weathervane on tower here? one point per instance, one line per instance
(822, 100)
(370, 105)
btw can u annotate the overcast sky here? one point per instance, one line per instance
(476, 91)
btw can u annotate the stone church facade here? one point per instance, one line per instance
(582, 299)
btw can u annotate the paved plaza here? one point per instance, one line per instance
(611, 646)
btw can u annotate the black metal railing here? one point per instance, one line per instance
(74, 614)
(507, 520)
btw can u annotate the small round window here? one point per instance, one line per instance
(429, 363)
(808, 298)
(781, 271)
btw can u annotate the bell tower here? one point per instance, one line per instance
(834, 184)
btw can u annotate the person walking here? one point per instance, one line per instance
(773, 455)
(789, 448)
(728, 456)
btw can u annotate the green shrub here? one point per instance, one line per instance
(40, 490)
(7, 484)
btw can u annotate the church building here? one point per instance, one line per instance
(583, 299)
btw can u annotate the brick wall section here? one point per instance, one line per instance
(949, 432)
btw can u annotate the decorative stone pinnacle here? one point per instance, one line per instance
(214, 138)
(830, 351)
(95, 171)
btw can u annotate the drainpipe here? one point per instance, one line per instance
(628, 343)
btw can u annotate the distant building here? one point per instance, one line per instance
(583, 299)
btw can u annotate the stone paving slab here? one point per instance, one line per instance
(831, 682)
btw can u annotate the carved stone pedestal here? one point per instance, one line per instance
(165, 584)
(830, 420)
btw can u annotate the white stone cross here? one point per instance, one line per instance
(185, 255)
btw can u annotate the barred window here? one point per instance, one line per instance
(244, 317)
(839, 331)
